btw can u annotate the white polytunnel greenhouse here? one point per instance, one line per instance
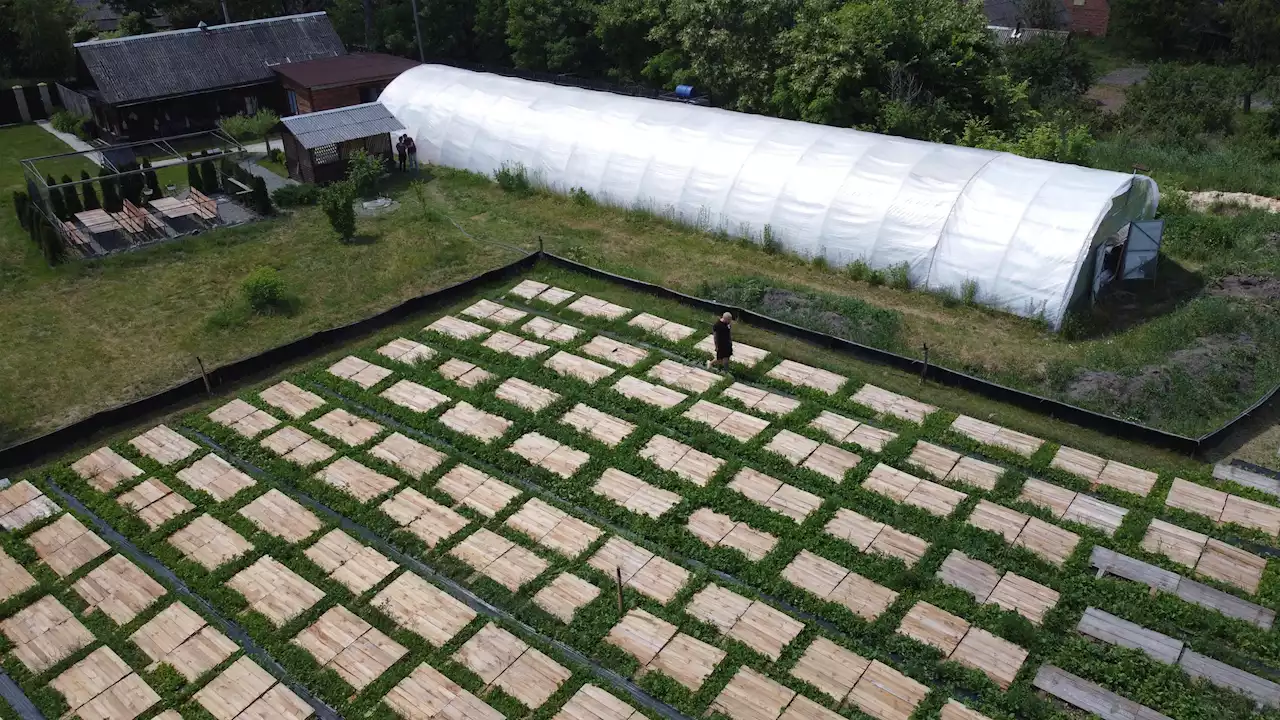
(1026, 233)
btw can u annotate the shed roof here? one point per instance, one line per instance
(344, 70)
(181, 62)
(341, 124)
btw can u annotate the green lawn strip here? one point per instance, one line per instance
(174, 690)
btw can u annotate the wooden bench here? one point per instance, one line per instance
(205, 206)
(141, 217)
(244, 189)
(77, 238)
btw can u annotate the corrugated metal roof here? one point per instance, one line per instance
(148, 67)
(341, 124)
(345, 69)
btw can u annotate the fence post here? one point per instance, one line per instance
(619, 572)
(205, 375)
(924, 369)
(22, 103)
(540, 245)
(45, 99)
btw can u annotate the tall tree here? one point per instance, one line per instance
(553, 35)
(41, 35)
(90, 195)
(626, 31)
(731, 46)
(1255, 42)
(1163, 29)
(70, 198)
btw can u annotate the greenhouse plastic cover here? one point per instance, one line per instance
(1020, 229)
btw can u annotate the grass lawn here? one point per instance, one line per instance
(92, 335)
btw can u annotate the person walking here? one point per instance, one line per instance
(722, 331)
(402, 151)
(412, 149)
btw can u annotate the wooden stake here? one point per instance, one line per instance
(619, 571)
(924, 370)
(205, 375)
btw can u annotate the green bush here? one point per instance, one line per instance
(581, 197)
(770, 242)
(209, 178)
(899, 276)
(264, 290)
(337, 201)
(259, 198)
(250, 127)
(275, 155)
(363, 172)
(295, 195)
(969, 292)
(110, 191)
(90, 195)
(513, 178)
(193, 177)
(70, 196)
(69, 122)
(56, 201)
(858, 269)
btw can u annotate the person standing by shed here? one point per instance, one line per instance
(412, 147)
(402, 151)
(722, 332)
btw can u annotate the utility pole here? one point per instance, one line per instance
(417, 32)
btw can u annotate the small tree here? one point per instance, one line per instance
(363, 170)
(193, 177)
(131, 184)
(70, 197)
(337, 201)
(264, 290)
(110, 192)
(259, 197)
(153, 182)
(56, 200)
(22, 207)
(209, 176)
(90, 195)
(51, 245)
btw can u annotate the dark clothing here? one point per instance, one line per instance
(401, 154)
(724, 343)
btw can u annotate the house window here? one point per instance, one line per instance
(326, 154)
(293, 102)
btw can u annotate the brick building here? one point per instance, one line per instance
(1087, 17)
(340, 81)
(1090, 17)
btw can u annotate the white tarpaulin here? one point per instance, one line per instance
(1020, 229)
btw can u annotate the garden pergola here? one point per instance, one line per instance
(151, 213)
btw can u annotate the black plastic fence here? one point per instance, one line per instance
(265, 364)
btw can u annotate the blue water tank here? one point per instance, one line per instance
(684, 91)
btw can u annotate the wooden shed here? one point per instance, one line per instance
(317, 145)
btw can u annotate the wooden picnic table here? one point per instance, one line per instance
(172, 207)
(98, 221)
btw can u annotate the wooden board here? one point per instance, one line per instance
(533, 678)
(120, 589)
(1050, 542)
(22, 504)
(423, 609)
(412, 396)
(125, 700)
(933, 459)
(469, 420)
(215, 476)
(895, 543)
(743, 354)
(1111, 562)
(592, 703)
(554, 529)
(1127, 478)
(465, 374)
(357, 567)
(356, 480)
(245, 419)
(1251, 514)
(353, 648)
(525, 394)
(568, 364)
(854, 528)
(277, 514)
(293, 400)
(886, 694)
(761, 400)
(1223, 675)
(619, 353)
(1113, 630)
(44, 633)
(863, 597)
(1078, 462)
(992, 434)
(890, 482)
(641, 634)
(426, 694)
(648, 393)
(1176, 543)
(547, 329)
(600, 425)
(765, 629)
(457, 328)
(891, 403)
(935, 499)
(808, 376)
(87, 679)
(234, 689)
(1225, 603)
(1026, 597)
(1091, 697)
(297, 447)
(933, 626)
(1232, 565)
(361, 372)
(155, 502)
(504, 562)
(65, 545)
(180, 638)
(814, 573)
(786, 499)
(274, 590)
(406, 351)
(163, 445)
(954, 710)
(638, 496)
(792, 446)
(565, 595)
(687, 660)
(1195, 498)
(1088, 510)
(595, 307)
(14, 579)
(424, 517)
(977, 473)
(104, 468)
(1241, 476)
(1051, 497)
(830, 668)
(995, 657)
(973, 576)
(1003, 521)
(831, 462)
(837, 427)
(663, 328)
(752, 696)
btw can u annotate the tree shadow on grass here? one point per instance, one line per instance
(362, 239)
